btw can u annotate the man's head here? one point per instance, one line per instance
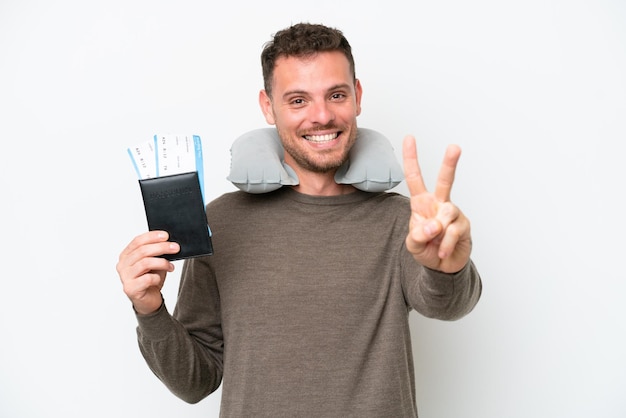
(302, 40)
(311, 95)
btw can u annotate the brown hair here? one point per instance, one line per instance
(302, 40)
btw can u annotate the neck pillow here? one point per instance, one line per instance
(258, 165)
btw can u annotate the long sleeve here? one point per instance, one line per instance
(440, 295)
(185, 350)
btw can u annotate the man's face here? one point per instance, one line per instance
(314, 106)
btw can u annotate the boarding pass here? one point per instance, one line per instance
(167, 155)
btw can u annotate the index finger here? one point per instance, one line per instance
(149, 237)
(412, 172)
(447, 172)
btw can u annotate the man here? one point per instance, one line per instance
(303, 309)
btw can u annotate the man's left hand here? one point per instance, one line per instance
(439, 234)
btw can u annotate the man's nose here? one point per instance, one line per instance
(321, 113)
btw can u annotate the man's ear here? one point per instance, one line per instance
(358, 89)
(266, 107)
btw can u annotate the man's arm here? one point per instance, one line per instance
(186, 358)
(434, 294)
(439, 242)
(188, 363)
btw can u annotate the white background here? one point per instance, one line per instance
(534, 91)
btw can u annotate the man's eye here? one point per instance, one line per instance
(338, 96)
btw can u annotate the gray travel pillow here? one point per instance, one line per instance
(258, 166)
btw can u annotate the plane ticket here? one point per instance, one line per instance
(167, 155)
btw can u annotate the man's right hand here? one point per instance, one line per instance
(143, 273)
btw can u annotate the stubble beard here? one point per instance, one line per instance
(323, 161)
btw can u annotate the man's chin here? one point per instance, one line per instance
(327, 166)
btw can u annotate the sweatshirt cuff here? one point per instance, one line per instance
(452, 276)
(441, 284)
(155, 326)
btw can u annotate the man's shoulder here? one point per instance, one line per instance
(392, 198)
(240, 199)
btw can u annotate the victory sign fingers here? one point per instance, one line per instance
(439, 233)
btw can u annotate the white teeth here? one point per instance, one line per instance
(320, 138)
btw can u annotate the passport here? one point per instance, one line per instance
(170, 171)
(174, 204)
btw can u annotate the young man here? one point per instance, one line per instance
(303, 309)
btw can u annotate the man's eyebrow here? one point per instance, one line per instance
(294, 92)
(340, 86)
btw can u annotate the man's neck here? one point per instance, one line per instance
(321, 184)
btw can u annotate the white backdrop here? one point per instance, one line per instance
(534, 91)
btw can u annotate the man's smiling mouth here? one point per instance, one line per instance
(321, 138)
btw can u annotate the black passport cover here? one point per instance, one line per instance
(174, 204)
